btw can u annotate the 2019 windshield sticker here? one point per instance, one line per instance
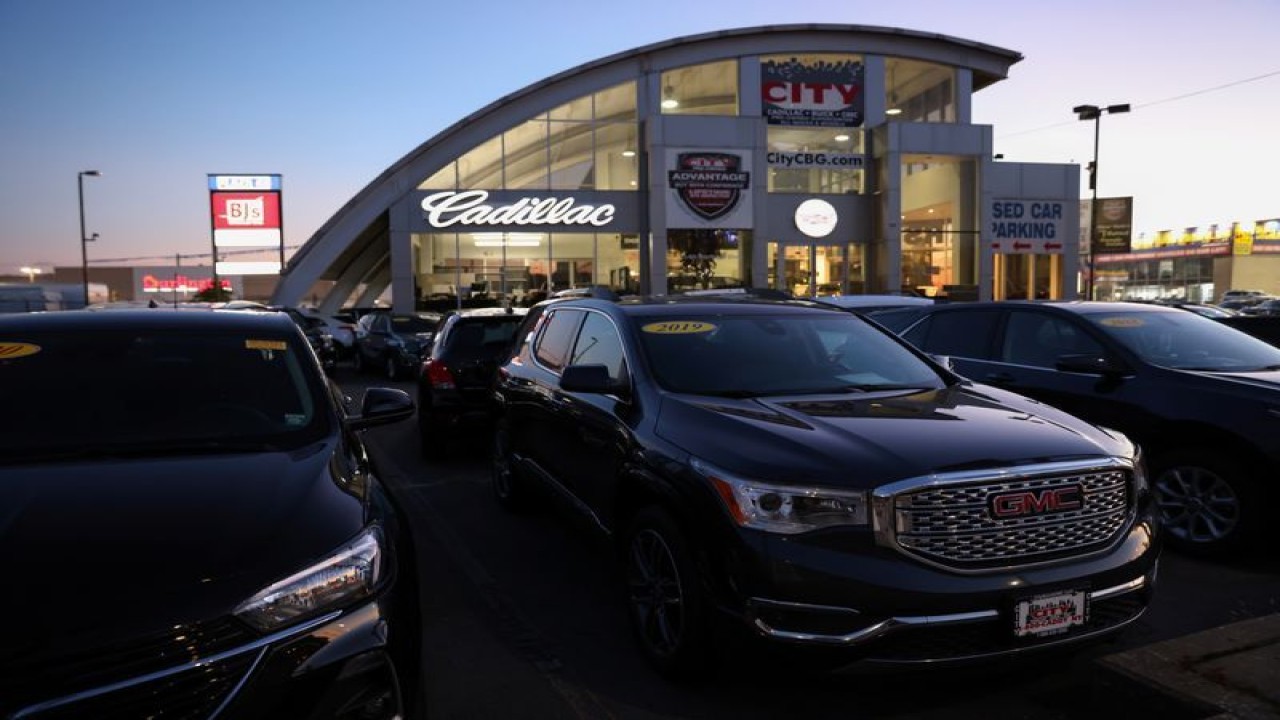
(678, 327)
(11, 350)
(265, 345)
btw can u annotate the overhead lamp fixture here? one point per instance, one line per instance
(500, 239)
(842, 138)
(628, 153)
(669, 101)
(893, 111)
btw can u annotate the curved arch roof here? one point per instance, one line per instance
(351, 247)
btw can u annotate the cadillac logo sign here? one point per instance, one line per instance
(709, 184)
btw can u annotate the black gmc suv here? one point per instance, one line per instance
(788, 472)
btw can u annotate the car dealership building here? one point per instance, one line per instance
(817, 159)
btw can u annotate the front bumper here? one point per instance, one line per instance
(879, 607)
(338, 665)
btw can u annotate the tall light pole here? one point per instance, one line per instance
(84, 240)
(1094, 113)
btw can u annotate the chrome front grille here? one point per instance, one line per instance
(971, 522)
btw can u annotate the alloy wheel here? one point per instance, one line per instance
(1197, 505)
(656, 595)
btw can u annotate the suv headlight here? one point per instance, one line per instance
(784, 509)
(349, 574)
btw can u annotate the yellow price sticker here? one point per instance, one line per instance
(10, 350)
(1123, 322)
(266, 345)
(678, 327)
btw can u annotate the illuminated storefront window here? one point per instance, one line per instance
(586, 144)
(918, 91)
(710, 89)
(939, 225)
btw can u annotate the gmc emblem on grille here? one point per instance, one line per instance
(1036, 502)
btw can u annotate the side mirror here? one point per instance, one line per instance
(1090, 365)
(381, 406)
(590, 379)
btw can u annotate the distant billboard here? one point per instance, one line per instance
(245, 212)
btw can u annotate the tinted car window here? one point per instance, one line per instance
(557, 335)
(411, 324)
(962, 334)
(814, 352)
(1037, 339)
(136, 390)
(598, 344)
(1186, 341)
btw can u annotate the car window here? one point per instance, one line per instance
(552, 345)
(792, 353)
(598, 344)
(156, 389)
(1187, 341)
(958, 334)
(1038, 338)
(409, 324)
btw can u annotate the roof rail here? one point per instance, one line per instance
(600, 292)
(763, 293)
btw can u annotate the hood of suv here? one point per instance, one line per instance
(99, 552)
(878, 437)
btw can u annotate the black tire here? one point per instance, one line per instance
(1208, 503)
(666, 601)
(361, 365)
(509, 488)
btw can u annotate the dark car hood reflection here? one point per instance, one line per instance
(157, 542)
(877, 437)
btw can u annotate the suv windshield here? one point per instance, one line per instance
(1187, 341)
(727, 354)
(121, 392)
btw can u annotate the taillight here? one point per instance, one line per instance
(438, 376)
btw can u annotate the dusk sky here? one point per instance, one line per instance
(158, 94)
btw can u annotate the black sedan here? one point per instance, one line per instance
(791, 473)
(1201, 398)
(392, 343)
(190, 525)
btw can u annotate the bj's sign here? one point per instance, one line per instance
(812, 94)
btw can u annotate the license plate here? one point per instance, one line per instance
(1050, 614)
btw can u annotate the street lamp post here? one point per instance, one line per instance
(30, 271)
(1094, 113)
(84, 239)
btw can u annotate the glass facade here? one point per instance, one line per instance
(940, 234)
(593, 144)
(918, 91)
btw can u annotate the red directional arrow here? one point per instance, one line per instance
(1021, 246)
(1053, 246)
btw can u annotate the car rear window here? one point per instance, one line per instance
(131, 391)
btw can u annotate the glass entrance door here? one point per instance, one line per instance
(1027, 277)
(809, 270)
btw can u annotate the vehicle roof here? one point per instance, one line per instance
(860, 301)
(1081, 307)
(149, 318)
(684, 304)
(488, 312)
